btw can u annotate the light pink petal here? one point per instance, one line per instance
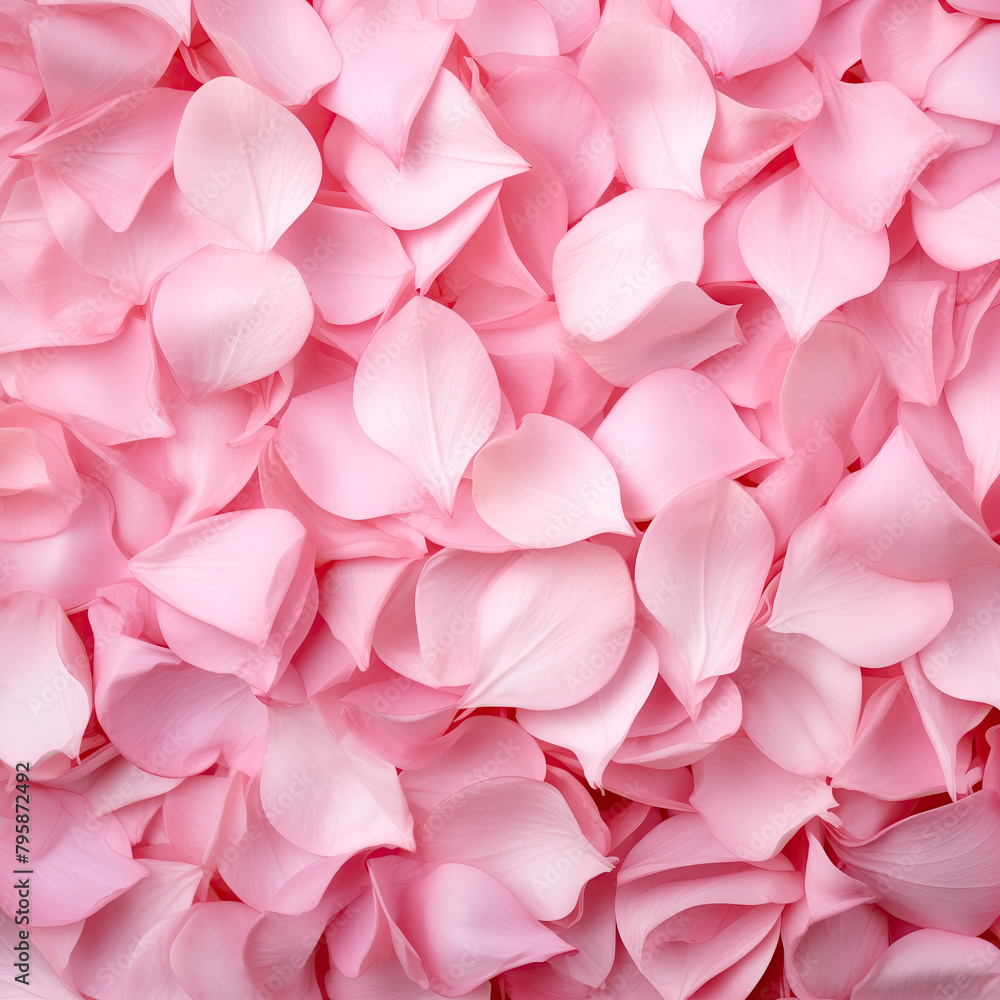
(79, 862)
(521, 832)
(965, 82)
(329, 795)
(553, 628)
(836, 36)
(389, 65)
(866, 148)
(85, 57)
(560, 117)
(742, 36)
(827, 381)
(806, 256)
(387, 981)
(963, 236)
(287, 55)
(352, 595)
(801, 703)
(752, 805)
(39, 488)
(207, 953)
(462, 926)
(113, 157)
(45, 680)
(863, 616)
(651, 85)
(231, 571)
(465, 529)
(226, 317)
(175, 14)
(961, 660)
(519, 26)
(931, 963)
(681, 328)
(946, 721)
(547, 484)
(108, 392)
(426, 392)
(700, 571)
(903, 45)
(596, 727)
(453, 154)
(619, 258)
(245, 162)
(971, 397)
(895, 517)
(352, 264)
(707, 440)
(952, 870)
(110, 937)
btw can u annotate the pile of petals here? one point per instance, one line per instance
(498, 497)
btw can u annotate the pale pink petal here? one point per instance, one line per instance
(560, 117)
(863, 616)
(651, 85)
(329, 795)
(553, 628)
(952, 865)
(801, 703)
(933, 963)
(837, 35)
(961, 660)
(619, 258)
(207, 953)
(519, 26)
(352, 264)
(387, 981)
(748, 34)
(547, 484)
(113, 157)
(389, 65)
(45, 679)
(700, 571)
(707, 440)
(903, 45)
(226, 317)
(452, 155)
(895, 517)
(596, 727)
(523, 834)
(79, 862)
(288, 55)
(964, 236)
(806, 256)
(964, 84)
(752, 805)
(680, 329)
(175, 14)
(245, 162)
(866, 148)
(85, 57)
(426, 392)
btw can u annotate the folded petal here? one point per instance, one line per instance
(426, 392)
(895, 517)
(329, 795)
(738, 38)
(523, 834)
(618, 259)
(652, 86)
(866, 148)
(707, 440)
(519, 26)
(245, 162)
(806, 256)
(547, 484)
(452, 154)
(225, 318)
(288, 56)
(700, 571)
(963, 236)
(939, 868)
(964, 84)
(863, 616)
